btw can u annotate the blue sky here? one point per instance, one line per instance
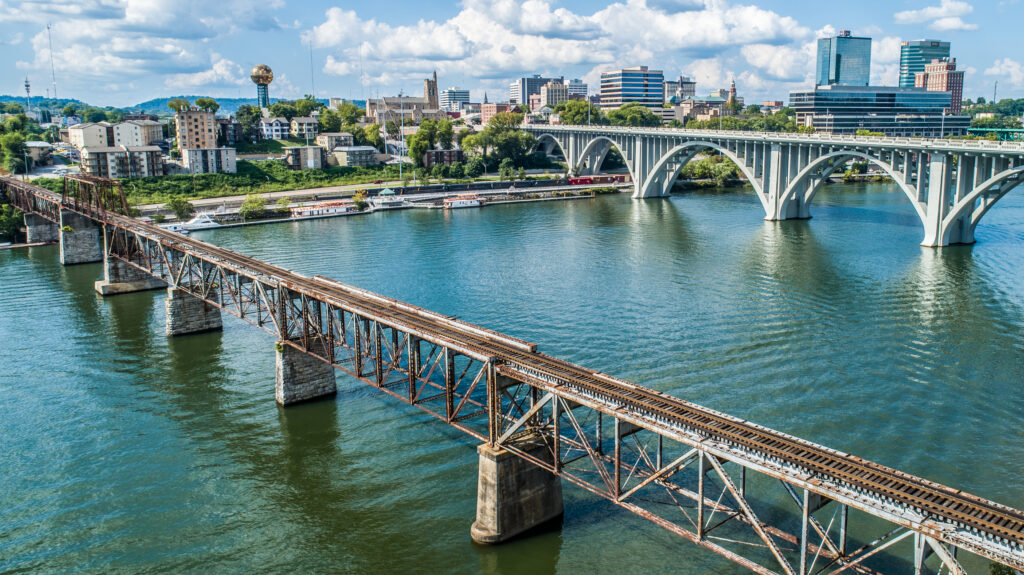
(121, 52)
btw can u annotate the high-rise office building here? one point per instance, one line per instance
(635, 84)
(453, 98)
(577, 87)
(843, 60)
(915, 54)
(941, 75)
(894, 111)
(519, 92)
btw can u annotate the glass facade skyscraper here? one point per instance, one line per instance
(915, 54)
(844, 60)
(887, 109)
(636, 84)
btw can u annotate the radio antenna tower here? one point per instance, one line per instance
(53, 75)
(28, 96)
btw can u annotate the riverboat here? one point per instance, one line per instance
(462, 201)
(323, 209)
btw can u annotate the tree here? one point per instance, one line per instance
(305, 106)
(12, 151)
(633, 114)
(521, 174)
(505, 121)
(676, 124)
(474, 167)
(359, 199)
(181, 207)
(373, 137)
(176, 104)
(445, 134)
(506, 169)
(457, 170)
(393, 129)
(254, 206)
(69, 110)
(575, 112)
(418, 146)
(207, 104)
(460, 136)
(10, 222)
(249, 117)
(283, 206)
(350, 113)
(437, 171)
(752, 109)
(286, 110)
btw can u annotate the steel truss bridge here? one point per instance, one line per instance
(951, 183)
(706, 476)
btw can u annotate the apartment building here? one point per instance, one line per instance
(122, 161)
(91, 135)
(209, 160)
(304, 127)
(196, 129)
(137, 133)
(274, 128)
(331, 140)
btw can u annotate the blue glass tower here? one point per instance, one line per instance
(843, 60)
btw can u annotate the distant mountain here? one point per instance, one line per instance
(228, 106)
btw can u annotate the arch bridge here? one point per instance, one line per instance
(951, 184)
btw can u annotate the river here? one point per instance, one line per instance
(123, 450)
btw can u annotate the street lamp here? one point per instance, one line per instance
(942, 128)
(24, 175)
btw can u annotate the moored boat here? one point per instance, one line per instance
(462, 201)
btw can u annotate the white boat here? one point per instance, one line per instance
(462, 201)
(202, 221)
(176, 228)
(323, 209)
(387, 199)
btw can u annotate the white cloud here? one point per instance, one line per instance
(492, 41)
(1009, 69)
(944, 17)
(782, 62)
(221, 72)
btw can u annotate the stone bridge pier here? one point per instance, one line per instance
(513, 494)
(187, 314)
(39, 229)
(301, 377)
(80, 241)
(120, 277)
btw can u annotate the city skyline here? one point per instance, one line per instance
(122, 53)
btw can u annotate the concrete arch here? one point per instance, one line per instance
(608, 143)
(698, 145)
(798, 181)
(548, 137)
(981, 191)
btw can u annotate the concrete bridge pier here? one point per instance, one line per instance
(301, 377)
(188, 314)
(120, 277)
(39, 229)
(514, 495)
(79, 239)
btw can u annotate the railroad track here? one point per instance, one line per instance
(929, 499)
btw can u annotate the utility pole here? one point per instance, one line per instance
(401, 136)
(53, 75)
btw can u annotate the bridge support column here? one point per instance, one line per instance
(514, 495)
(119, 277)
(39, 229)
(79, 239)
(188, 314)
(301, 377)
(938, 201)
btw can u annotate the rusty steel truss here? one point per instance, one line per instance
(685, 467)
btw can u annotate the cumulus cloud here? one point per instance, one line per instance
(948, 15)
(103, 42)
(1012, 70)
(492, 41)
(221, 72)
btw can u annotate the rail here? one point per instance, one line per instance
(380, 340)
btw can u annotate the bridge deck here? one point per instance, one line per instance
(941, 512)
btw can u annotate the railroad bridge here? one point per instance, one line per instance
(714, 479)
(950, 183)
